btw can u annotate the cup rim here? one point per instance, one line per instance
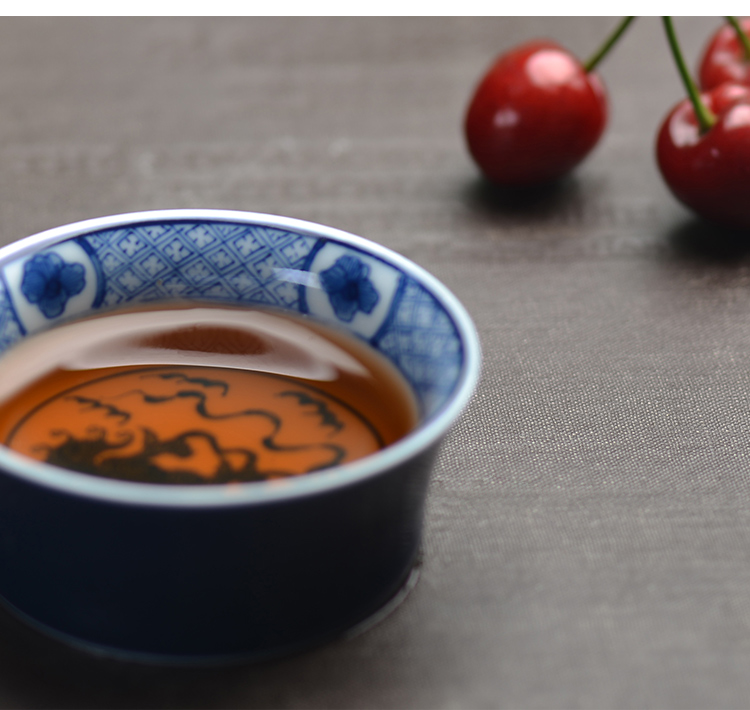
(185, 496)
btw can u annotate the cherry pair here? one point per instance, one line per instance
(539, 111)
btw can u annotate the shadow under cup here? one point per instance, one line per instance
(194, 573)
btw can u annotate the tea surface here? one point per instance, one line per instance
(199, 395)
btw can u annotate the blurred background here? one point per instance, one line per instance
(586, 535)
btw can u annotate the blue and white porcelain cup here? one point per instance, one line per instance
(188, 574)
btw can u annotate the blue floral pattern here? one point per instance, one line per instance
(48, 282)
(348, 287)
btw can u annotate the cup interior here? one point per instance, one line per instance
(236, 258)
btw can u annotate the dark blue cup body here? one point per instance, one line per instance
(196, 583)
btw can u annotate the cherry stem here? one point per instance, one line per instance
(706, 117)
(608, 44)
(741, 36)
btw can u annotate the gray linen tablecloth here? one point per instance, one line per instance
(587, 535)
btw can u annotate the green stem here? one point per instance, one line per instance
(706, 117)
(741, 36)
(608, 44)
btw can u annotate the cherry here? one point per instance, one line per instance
(710, 172)
(727, 56)
(537, 113)
(703, 148)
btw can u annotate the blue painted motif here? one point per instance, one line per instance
(348, 287)
(10, 327)
(204, 260)
(48, 282)
(422, 341)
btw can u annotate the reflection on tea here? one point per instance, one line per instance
(199, 395)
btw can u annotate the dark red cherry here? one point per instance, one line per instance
(725, 59)
(535, 115)
(709, 170)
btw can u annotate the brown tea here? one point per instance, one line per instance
(199, 395)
